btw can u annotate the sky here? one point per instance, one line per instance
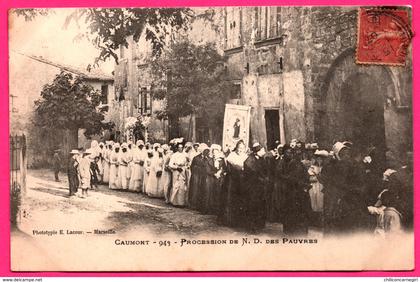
(46, 36)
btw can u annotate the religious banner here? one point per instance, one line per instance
(236, 125)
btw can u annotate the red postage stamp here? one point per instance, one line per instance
(383, 37)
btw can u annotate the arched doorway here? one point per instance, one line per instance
(363, 113)
(352, 105)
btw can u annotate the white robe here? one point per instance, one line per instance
(154, 187)
(113, 170)
(123, 170)
(84, 171)
(105, 165)
(136, 179)
(179, 193)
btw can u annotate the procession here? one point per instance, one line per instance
(296, 184)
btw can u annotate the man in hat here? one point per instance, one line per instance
(85, 172)
(72, 171)
(56, 164)
(255, 175)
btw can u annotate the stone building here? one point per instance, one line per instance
(134, 88)
(28, 74)
(295, 66)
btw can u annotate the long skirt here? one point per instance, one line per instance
(179, 193)
(166, 180)
(197, 191)
(154, 188)
(100, 174)
(145, 179)
(113, 176)
(122, 177)
(276, 202)
(136, 179)
(213, 201)
(317, 197)
(233, 201)
(106, 172)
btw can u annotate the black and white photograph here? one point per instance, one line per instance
(268, 138)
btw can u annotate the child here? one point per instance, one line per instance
(94, 170)
(388, 217)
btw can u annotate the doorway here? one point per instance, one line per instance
(272, 127)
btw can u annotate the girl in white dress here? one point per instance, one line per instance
(155, 184)
(113, 167)
(123, 161)
(178, 164)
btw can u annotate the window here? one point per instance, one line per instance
(104, 94)
(145, 101)
(267, 22)
(233, 27)
(236, 91)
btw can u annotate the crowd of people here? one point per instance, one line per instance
(295, 184)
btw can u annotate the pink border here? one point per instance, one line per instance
(4, 131)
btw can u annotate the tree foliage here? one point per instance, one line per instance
(30, 14)
(109, 28)
(69, 103)
(192, 80)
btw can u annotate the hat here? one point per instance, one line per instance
(314, 146)
(337, 147)
(165, 147)
(124, 145)
(156, 145)
(93, 144)
(88, 151)
(160, 150)
(188, 144)
(202, 147)
(74, 151)
(116, 145)
(293, 143)
(139, 142)
(388, 173)
(216, 147)
(322, 153)
(348, 144)
(256, 147)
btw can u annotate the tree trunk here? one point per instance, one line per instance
(70, 141)
(173, 127)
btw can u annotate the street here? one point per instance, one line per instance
(47, 203)
(136, 218)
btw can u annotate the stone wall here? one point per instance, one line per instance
(311, 61)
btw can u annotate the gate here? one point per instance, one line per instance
(18, 167)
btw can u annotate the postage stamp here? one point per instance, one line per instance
(383, 36)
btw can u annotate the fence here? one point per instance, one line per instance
(18, 167)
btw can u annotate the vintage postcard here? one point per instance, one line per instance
(211, 139)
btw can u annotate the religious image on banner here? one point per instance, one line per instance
(236, 125)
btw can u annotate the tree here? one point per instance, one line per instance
(192, 80)
(70, 104)
(109, 28)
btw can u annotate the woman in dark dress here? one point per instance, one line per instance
(196, 192)
(256, 179)
(215, 169)
(296, 197)
(275, 198)
(233, 194)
